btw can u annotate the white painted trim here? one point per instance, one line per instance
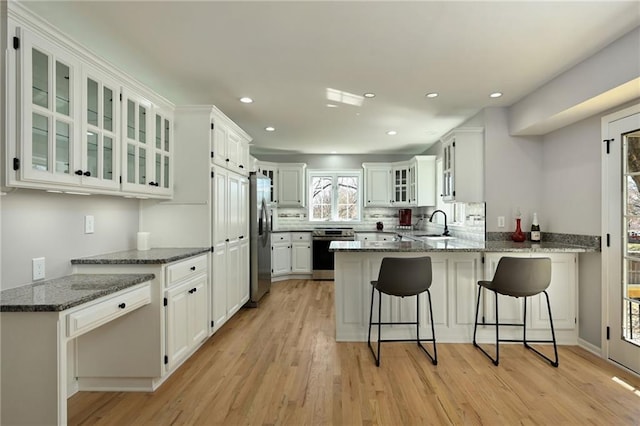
(590, 347)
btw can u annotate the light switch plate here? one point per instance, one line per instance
(37, 268)
(89, 224)
(500, 221)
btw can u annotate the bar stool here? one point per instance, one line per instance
(403, 276)
(518, 277)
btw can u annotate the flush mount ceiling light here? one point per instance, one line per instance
(495, 95)
(392, 133)
(334, 152)
(343, 97)
(270, 129)
(431, 95)
(369, 95)
(246, 100)
(332, 106)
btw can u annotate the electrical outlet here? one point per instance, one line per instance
(500, 221)
(37, 264)
(89, 224)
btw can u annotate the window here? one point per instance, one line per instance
(334, 196)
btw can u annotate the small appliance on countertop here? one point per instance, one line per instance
(404, 217)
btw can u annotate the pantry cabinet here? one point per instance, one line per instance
(463, 165)
(230, 150)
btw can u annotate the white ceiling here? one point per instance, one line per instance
(286, 54)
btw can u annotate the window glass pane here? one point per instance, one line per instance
(40, 142)
(107, 100)
(347, 198)
(131, 119)
(92, 102)
(158, 132)
(62, 147)
(62, 88)
(40, 78)
(142, 166)
(92, 153)
(107, 158)
(142, 123)
(321, 197)
(633, 154)
(131, 163)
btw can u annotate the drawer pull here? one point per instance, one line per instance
(193, 268)
(122, 305)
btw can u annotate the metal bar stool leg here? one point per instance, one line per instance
(524, 324)
(497, 360)
(434, 358)
(475, 325)
(553, 336)
(370, 322)
(379, 326)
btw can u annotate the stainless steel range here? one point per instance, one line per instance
(322, 258)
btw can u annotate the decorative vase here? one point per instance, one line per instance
(518, 236)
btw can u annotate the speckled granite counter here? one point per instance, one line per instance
(455, 244)
(137, 257)
(63, 293)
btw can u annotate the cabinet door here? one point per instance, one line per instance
(198, 303)
(137, 143)
(291, 186)
(244, 159)
(234, 279)
(49, 92)
(219, 205)
(401, 186)
(377, 186)
(301, 258)
(219, 286)
(447, 172)
(219, 145)
(271, 171)
(233, 151)
(244, 272)
(244, 208)
(101, 131)
(162, 169)
(562, 295)
(234, 221)
(280, 259)
(178, 340)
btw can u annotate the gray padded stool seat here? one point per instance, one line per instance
(402, 277)
(518, 277)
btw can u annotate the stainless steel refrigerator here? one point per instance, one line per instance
(260, 217)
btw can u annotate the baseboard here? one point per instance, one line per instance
(590, 347)
(119, 384)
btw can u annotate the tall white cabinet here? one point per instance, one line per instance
(210, 207)
(463, 165)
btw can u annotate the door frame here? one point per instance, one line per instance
(605, 303)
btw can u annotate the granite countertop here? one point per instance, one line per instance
(456, 244)
(63, 293)
(138, 257)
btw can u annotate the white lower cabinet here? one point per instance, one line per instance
(300, 252)
(186, 318)
(290, 254)
(280, 258)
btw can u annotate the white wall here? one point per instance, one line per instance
(41, 224)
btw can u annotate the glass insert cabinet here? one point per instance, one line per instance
(81, 129)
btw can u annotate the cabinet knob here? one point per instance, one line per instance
(87, 173)
(193, 268)
(241, 237)
(78, 172)
(122, 305)
(227, 160)
(241, 166)
(227, 240)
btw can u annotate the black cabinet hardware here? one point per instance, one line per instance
(193, 268)
(87, 173)
(78, 172)
(122, 305)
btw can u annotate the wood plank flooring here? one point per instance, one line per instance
(279, 364)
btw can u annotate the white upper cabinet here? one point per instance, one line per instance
(230, 146)
(463, 165)
(270, 170)
(73, 128)
(401, 176)
(291, 185)
(422, 184)
(377, 184)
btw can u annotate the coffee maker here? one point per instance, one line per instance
(404, 217)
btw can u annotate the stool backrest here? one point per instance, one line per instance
(404, 276)
(522, 277)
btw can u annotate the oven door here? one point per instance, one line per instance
(322, 259)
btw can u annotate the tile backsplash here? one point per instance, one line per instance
(464, 220)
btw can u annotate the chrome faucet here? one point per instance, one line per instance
(446, 230)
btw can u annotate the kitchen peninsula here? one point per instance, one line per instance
(458, 265)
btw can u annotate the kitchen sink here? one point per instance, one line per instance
(434, 236)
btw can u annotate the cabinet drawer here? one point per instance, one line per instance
(300, 236)
(186, 268)
(88, 318)
(280, 237)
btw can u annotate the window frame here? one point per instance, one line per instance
(334, 175)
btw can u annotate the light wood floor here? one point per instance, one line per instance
(280, 364)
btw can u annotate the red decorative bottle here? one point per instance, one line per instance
(518, 236)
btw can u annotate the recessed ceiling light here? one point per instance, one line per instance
(246, 100)
(369, 95)
(495, 95)
(392, 133)
(332, 106)
(432, 95)
(270, 129)
(334, 152)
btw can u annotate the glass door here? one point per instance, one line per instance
(136, 144)
(49, 107)
(622, 218)
(161, 179)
